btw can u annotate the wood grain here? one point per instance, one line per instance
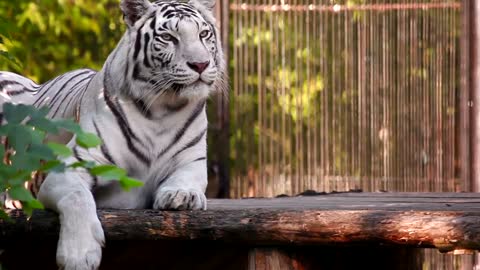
(445, 221)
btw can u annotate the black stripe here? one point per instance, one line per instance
(60, 90)
(16, 92)
(15, 204)
(136, 76)
(191, 143)
(153, 23)
(115, 107)
(5, 83)
(79, 92)
(200, 107)
(76, 155)
(198, 159)
(137, 43)
(31, 188)
(103, 147)
(142, 107)
(70, 92)
(83, 94)
(8, 82)
(164, 8)
(46, 91)
(145, 50)
(125, 128)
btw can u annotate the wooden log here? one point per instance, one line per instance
(447, 223)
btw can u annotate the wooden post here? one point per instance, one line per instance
(222, 151)
(470, 97)
(272, 259)
(464, 138)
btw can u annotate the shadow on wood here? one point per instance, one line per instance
(182, 255)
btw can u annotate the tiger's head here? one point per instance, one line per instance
(173, 49)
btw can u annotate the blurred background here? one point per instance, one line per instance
(325, 95)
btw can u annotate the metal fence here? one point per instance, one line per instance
(339, 95)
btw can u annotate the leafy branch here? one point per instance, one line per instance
(25, 132)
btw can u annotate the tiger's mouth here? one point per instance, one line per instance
(199, 82)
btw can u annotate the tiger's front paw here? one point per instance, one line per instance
(180, 199)
(80, 245)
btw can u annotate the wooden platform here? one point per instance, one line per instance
(449, 222)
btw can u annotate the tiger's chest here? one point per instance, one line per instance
(150, 149)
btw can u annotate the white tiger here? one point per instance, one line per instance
(147, 103)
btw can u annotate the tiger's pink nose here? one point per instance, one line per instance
(198, 67)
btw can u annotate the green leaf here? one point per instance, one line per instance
(127, 183)
(6, 172)
(20, 193)
(53, 166)
(82, 164)
(19, 137)
(38, 136)
(19, 177)
(108, 172)
(35, 204)
(24, 161)
(4, 129)
(60, 149)
(6, 27)
(41, 151)
(14, 114)
(11, 59)
(2, 153)
(39, 112)
(87, 140)
(5, 216)
(44, 124)
(69, 125)
(27, 209)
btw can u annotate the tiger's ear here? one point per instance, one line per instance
(207, 4)
(134, 10)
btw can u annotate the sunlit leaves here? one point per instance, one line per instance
(87, 140)
(68, 35)
(60, 149)
(110, 172)
(20, 193)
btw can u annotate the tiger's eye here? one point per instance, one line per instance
(204, 33)
(167, 37)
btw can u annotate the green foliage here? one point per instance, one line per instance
(26, 129)
(50, 37)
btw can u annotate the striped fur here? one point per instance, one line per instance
(147, 103)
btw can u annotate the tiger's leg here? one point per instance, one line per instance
(184, 189)
(81, 234)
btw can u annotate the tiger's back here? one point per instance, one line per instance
(61, 94)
